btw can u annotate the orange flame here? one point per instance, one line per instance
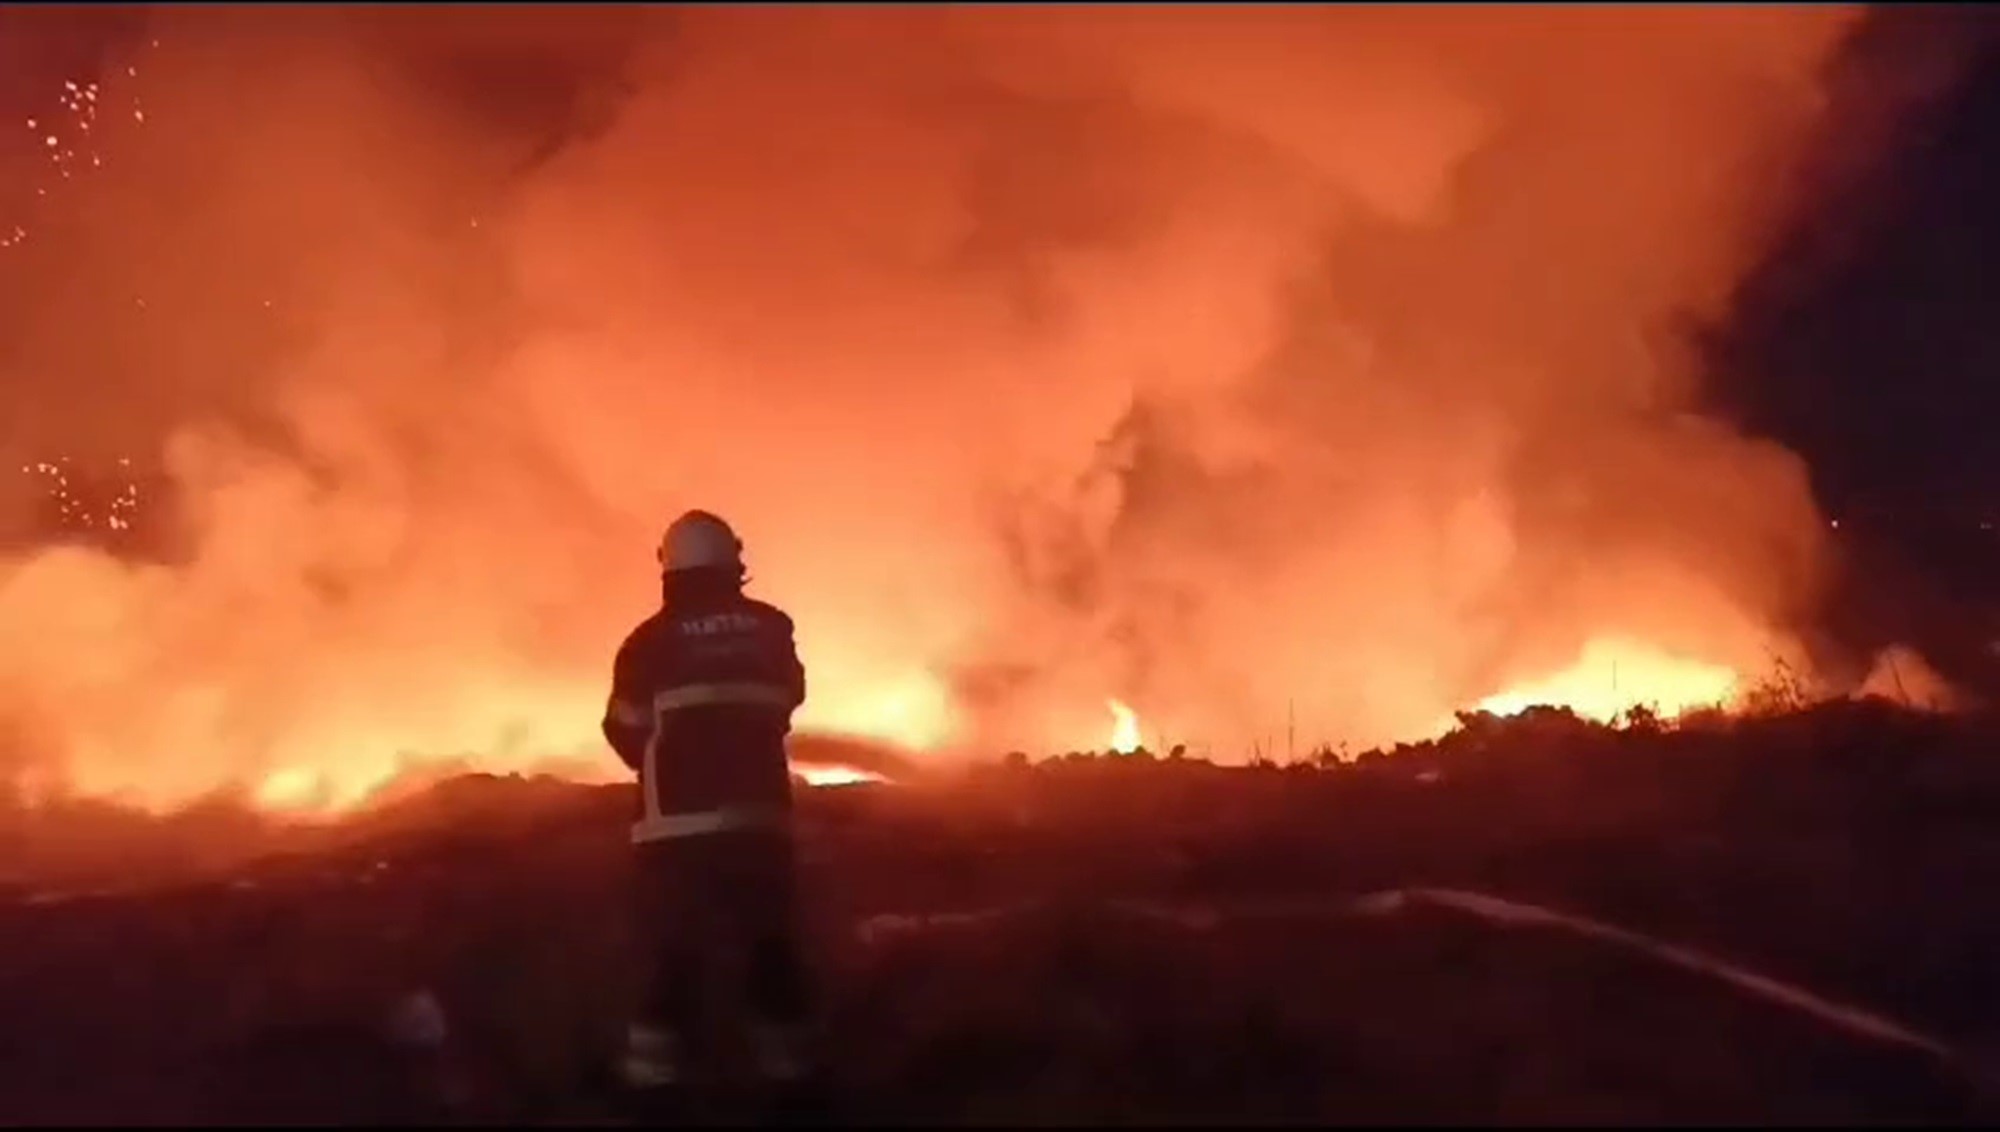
(838, 776)
(1613, 676)
(1124, 727)
(1610, 676)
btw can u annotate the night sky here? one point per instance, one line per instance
(1867, 341)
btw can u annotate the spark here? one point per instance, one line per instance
(75, 512)
(79, 98)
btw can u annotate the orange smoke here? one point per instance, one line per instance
(1227, 360)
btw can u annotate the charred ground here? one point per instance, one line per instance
(1848, 848)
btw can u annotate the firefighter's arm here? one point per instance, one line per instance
(628, 717)
(792, 670)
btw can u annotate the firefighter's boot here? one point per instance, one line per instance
(790, 1072)
(653, 1072)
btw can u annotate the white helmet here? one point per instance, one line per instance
(697, 540)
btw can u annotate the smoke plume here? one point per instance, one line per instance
(1246, 365)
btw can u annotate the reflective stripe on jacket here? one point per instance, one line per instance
(656, 826)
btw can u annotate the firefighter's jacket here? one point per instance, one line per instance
(702, 695)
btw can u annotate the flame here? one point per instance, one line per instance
(1124, 727)
(348, 768)
(301, 790)
(309, 792)
(837, 775)
(910, 710)
(333, 762)
(341, 767)
(1612, 676)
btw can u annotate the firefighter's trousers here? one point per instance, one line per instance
(712, 909)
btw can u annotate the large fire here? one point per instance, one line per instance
(1609, 679)
(1275, 368)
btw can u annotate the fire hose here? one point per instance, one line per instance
(1843, 1017)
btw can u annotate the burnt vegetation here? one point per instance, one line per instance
(1092, 938)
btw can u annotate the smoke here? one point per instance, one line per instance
(1237, 363)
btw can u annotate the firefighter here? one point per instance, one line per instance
(702, 696)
